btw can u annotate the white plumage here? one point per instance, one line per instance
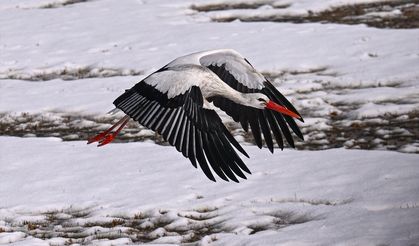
(234, 63)
(172, 102)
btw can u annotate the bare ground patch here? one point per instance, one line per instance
(83, 227)
(328, 123)
(280, 219)
(68, 73)
(207, 7)
(64, 3)
(381, 14)
(168, 226)
(386, 132)
(70, 127)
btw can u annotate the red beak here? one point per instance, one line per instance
(283, 110)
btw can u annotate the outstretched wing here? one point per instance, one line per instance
(182, 120)
(240, 75)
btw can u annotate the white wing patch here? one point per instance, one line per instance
(174, 82)
(236, 65)
(187, 71)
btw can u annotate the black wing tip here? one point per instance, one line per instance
(281, 98)
(241, 175)
(247, 171)
(301, 137)
(234, 142)
(213, 179)
(241, 150)
(295, 129)
(236, 180)
(301, 118)
(228, 178)
(193, 161)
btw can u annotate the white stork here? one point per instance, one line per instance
(174, 102)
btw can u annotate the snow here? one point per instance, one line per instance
(134, 45)
(135, 48)
(59, 59)
(58, 95)
(11, 237)
(340, 194)
(64, 61)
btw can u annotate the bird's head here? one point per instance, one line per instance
(261, 101)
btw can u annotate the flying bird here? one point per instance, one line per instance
(175, 102)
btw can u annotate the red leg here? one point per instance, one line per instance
(104, 135)
(109, 138)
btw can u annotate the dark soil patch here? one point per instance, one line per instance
(62, 4)
(389, 14)
(235, 5)
(352, 134)
(280, 219)
(71, 74)
(142, 228)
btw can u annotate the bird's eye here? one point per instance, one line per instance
(261, 99)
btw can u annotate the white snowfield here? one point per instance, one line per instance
(60, 57)
(332, 197)
(356, 73)
(145, 36)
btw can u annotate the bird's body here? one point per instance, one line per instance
(175, 102)
(180, 78)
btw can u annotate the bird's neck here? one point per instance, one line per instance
(241, 98)
(216, 87)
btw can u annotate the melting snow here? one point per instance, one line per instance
(356, 87)
(57, 191)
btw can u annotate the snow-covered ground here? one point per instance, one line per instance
(132, 193)
(62, 63)
(348, 81)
